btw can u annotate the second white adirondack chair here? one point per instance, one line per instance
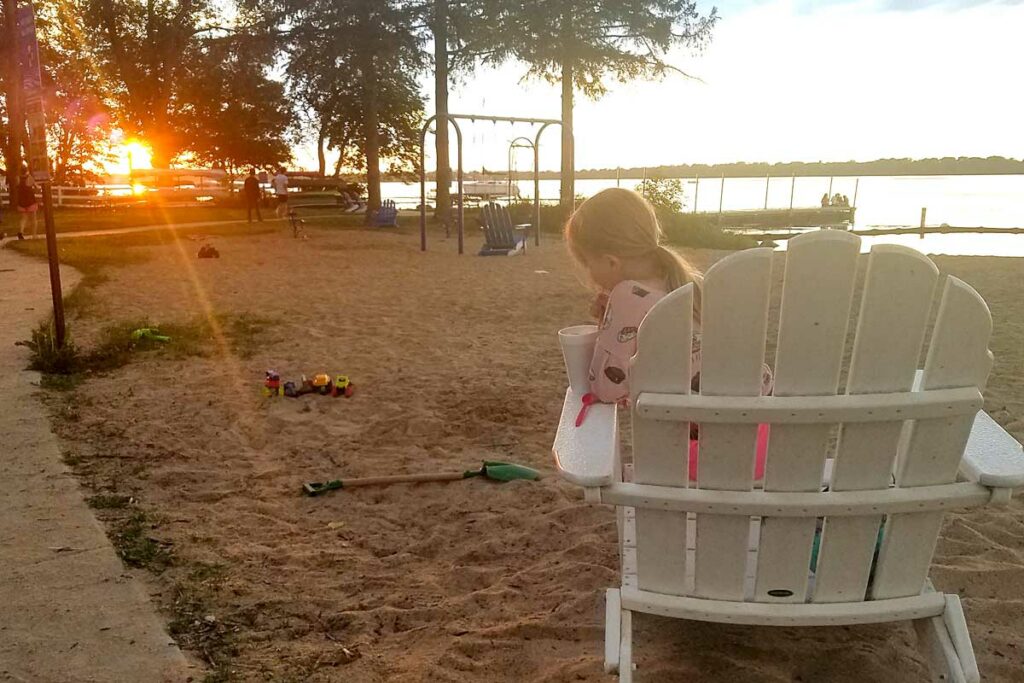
(911, 445)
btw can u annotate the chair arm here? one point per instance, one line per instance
(522, 226)
(587, 455)
(993, 457)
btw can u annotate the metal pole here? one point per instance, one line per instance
(696, 193)
(856, 186)
(458, 138)
(536, 182)
(924, 211)
(618, 175)
(792, 190)
(830, 189)
(767, 182)
(423, 183)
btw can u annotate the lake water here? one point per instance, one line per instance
(890, 201)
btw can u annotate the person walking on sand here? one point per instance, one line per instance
(27, 204)
(252, 193)
(280, 184)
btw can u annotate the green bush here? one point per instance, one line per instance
(46, 357)
(664, 194)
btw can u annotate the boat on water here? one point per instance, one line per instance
(483, 190)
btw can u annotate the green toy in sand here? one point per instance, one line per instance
(150, 333)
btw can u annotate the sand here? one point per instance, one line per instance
(455, 360)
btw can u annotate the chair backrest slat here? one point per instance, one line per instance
(898, 292)
(660, 448)
(817, 292)
(734, 321)
(958, 356)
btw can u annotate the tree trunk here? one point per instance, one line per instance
(371, 135)
(567, 192)
(12, 82)
(321, 154)
(339, 162)
(444, 174)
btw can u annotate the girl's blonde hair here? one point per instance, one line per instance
(620, 222)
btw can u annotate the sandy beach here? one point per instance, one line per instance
(455, 360)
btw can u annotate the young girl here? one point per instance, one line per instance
(27, 204)
(615, 236)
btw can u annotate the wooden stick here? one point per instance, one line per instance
(401, 479)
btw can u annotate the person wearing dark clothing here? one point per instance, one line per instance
(27, 204)
(252, 193)
(824, 199)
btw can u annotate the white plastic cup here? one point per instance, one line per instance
(578, 350)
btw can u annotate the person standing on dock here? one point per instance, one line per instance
(824, 199)
(252, 193)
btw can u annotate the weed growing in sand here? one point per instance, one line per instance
(193, 625)
(46, 357)
(133, 543)
(108, 501)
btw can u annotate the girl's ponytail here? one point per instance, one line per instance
(679, 273)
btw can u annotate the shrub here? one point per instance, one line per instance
(664, 194)
(46, 357)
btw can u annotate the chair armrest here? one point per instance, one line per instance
(522, 226)
(587, 455)
(992, 457)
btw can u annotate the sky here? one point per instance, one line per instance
(787, 80)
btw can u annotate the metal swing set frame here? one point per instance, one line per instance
(453, 119)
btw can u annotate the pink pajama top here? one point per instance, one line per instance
(628, 304)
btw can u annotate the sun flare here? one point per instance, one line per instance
(130, 155)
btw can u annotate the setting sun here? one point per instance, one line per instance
(129, 155)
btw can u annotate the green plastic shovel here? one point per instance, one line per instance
(496, 471)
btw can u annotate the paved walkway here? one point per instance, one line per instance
(69, 612)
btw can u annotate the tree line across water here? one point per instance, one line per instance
(234, 83)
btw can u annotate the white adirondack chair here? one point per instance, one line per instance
(725, 548)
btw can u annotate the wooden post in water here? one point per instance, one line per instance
(924, 212)
(767, 182)
(792, 190)
(856, 186)
(830, 179)
(696, 193)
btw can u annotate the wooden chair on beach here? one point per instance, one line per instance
(501, 237)
(386, 216)
(839, 531)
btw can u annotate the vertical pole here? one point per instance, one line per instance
(696, 193)
(721, 197)
(423, 183)
(856, 186)
(830, 189)
(924, 212)
(536, 184)
(51, 253)
(767, 182)
(16, 127)
(458, 138)
(792, 190)
(618, 176)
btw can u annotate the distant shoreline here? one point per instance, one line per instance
(948, 166)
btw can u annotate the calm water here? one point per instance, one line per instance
(990, 201)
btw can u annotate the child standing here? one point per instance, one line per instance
(28, 206)
(616, 237)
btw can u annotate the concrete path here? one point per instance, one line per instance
(69, 612)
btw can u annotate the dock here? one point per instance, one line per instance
(807, 217)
